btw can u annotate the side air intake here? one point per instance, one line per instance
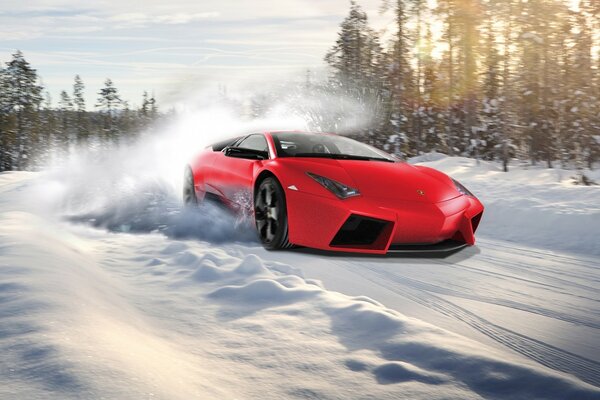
(475, 221)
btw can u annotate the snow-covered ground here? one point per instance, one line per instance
(161, 304)
(531, 205)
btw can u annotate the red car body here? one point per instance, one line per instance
(402, 206)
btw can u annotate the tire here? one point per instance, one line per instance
(189, 192)
(270, 214)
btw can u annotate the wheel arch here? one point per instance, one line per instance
(197, 179)
(189, 169)
(190, 196)
(265, 173)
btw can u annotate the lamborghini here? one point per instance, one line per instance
(330, 192)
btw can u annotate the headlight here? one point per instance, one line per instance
(339, 189)
(461, 189)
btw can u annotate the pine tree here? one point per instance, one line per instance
(468, 19)
(430, 113)
(24, 98)
(357, 62)
(6, 139)
(49, 123)
(580, 111)
(65, 108)
(591, 8)
(109, 102)
(399, 77)
(418, 108)
(490, 134)
(154, 106)
(81, 127)
(128, 123)
(356, 53)
(148, 110)
(447, 9)
(507, 111)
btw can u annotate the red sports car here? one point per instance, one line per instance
(330, 192)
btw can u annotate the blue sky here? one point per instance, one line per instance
(171, 47)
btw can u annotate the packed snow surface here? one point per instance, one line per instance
(531, 205)
(135, 298)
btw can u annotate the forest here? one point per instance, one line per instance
(34, 132)
(506, 80)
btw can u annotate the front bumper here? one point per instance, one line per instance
(369, 225)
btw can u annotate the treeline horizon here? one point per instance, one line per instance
(33, 131)
(514, 79)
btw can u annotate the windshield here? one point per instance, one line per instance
(294, 144)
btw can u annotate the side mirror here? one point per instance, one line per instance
(250, 154)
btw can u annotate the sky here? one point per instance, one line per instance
(171, 48)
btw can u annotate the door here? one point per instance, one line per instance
(233, 176)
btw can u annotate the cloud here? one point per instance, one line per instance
(33, 24)
(78, 29)
(182, 18)
(141, 19)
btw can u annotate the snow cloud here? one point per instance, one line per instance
(137, 187)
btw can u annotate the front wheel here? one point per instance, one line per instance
(270, 214)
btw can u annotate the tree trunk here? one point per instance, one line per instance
(450, 86)
(506, 93)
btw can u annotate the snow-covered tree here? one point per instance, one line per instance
(356, 56)
(81, 125)
(429, 113)
(6, 139)
(24, 95)
(109, 102)
(490, 136)
(398, 80)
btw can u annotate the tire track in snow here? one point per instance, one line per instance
(427, 287)
(559, 276)
(581, 260)
(558, 286)
(543, 353)
(551, 270)
(567, 317)
(518, 268)
(582, 263)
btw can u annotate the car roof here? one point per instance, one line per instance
(299, 131)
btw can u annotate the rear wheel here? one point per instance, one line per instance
(189, 192)
(270, 214)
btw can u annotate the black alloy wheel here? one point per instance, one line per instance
(270, 214)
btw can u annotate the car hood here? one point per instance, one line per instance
(378, 179)
(400, 181)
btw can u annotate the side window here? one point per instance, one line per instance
(254, 142)
(222, 144)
